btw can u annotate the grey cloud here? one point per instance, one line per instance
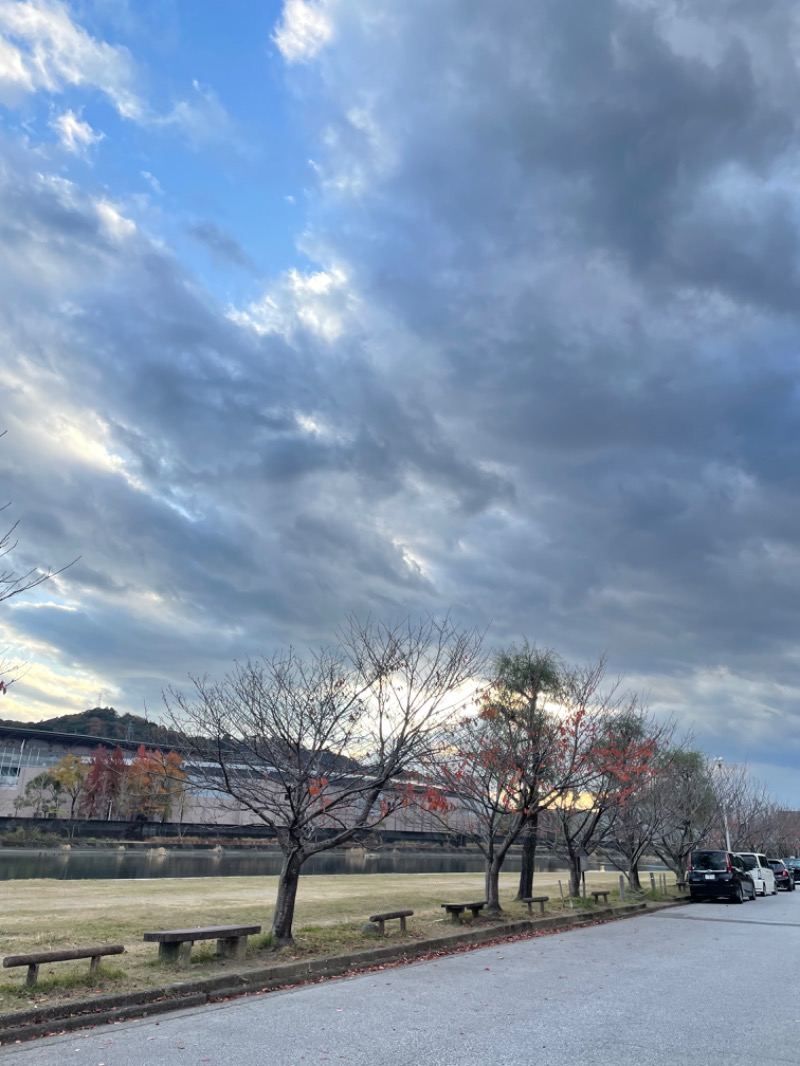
(587, 213)
(223, 245)
(565, 402)
(222, 511)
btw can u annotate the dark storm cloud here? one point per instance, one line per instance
(561, 394)
(207, 518)
(588, 212)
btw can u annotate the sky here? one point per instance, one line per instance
(324, 307)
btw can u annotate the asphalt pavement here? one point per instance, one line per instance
(702, 984)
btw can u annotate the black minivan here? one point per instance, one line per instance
(715, 874)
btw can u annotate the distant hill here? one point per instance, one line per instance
(103, 722)
(106, 724)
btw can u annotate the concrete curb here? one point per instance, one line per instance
(79, 1014)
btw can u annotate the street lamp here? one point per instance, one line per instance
(718, 762)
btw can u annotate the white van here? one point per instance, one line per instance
(760, 870)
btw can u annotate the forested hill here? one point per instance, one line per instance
(102, 722)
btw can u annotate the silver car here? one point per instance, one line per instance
(760, 870)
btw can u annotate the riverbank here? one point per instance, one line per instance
(43, 915)
(47, 1020)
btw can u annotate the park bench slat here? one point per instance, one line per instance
(541, 900)
(34, 959)
(177, 936)
(455, 909)
(62, 955)
(380, 919)
(175, 945)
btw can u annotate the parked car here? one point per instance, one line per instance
(784, 878)
(719, 874)
(760, 870)
(794, 868)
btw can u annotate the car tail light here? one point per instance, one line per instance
(689, 863)
(728, 860)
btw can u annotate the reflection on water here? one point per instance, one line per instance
(89, 863)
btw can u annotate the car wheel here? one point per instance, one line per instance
(739, 897)
(764, 889)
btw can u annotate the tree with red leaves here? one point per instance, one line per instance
(154, 784)
(104, 787)
(509, 760)
(613, 746)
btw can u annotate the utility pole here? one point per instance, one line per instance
(718, 762)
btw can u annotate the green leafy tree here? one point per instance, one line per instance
(685, 806)
(43, 794)
(524, 678)
(70, 773)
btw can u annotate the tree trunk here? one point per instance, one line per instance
(287, 894)
(493, 884)
(530, 836)
(574, 876)
(633, 877)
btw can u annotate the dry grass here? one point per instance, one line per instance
(42, 915)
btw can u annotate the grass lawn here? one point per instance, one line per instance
(42, 915)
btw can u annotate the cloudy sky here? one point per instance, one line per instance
(325, 306)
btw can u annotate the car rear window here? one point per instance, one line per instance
(749, 862)
(709, 860)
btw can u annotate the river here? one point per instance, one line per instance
(76, 863)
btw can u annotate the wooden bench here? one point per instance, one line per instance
(34, 960)
(598, 892)
(541, 900)
(455, 910)
(379, 919)
(175, 945)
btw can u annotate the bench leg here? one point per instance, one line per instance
(402, 924)
(32, 975)
(176, 954)
(232, 947)
(94, 965)
(455, 916)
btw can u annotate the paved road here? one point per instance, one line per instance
(703, 984)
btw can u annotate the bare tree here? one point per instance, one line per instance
(685, 806)
(320, 748)
(746, 807)
(13, 583)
